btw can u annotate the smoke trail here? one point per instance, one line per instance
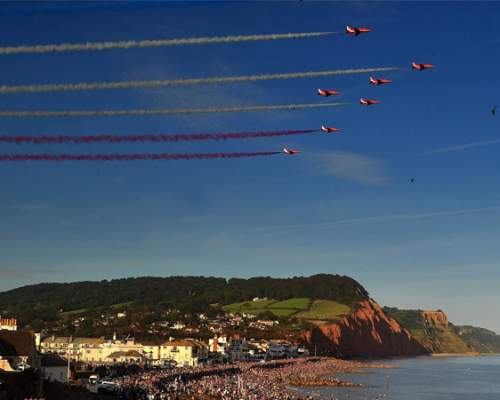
(64, 87)
(147, 138)
(130, 157)
(120, 113)
(94, 46)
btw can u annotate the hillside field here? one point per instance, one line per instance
(301, 307)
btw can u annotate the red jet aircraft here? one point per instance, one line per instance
(351, 30)
(290, 151)
(328, 129)
(326, 93)
(378, 81)
(420, 67)
(368, 102)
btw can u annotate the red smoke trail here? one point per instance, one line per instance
(130, 157)
(147, 138)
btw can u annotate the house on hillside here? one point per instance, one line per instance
(18, 350)
(179, 325)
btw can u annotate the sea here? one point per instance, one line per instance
(422, 378)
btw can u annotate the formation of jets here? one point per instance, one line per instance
(356, 31)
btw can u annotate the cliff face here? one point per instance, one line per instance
(432, 330)
(437, 319)
(440, 336)
(366, 332)
(480, 339)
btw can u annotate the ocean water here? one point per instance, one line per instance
(423, 378)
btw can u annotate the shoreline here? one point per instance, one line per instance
(469, 354)
(430, 355)
(281, 379)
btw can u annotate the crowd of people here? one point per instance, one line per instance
(244, 381)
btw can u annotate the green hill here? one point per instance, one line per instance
(47, 301)
(483, 340)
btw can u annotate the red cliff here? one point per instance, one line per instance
(437, 319)
(366, 332)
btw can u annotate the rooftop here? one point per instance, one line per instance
(15, 343)
(50, 360)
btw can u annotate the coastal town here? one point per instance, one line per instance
(242, 342)
(222, 367)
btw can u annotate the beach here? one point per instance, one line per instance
(250, 381)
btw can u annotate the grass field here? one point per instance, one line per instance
(298, 303)
(325, 310)
(121, 305)
(84, 310)
(74, 312)
(249, 306)
(300, 307)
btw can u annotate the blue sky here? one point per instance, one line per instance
(343, 206)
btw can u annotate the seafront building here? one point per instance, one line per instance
(182, 352)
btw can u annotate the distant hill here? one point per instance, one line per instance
(483, 340)
(432, 330)
(47, 301)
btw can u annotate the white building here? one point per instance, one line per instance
(91, 350)
(125, 357)
(54, 368)
(55, 345)
(184, 352)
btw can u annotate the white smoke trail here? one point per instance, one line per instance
(183, 82)
(119, 113)
(95, 46)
